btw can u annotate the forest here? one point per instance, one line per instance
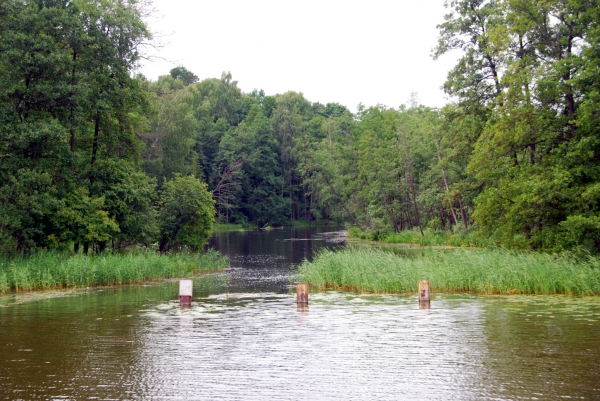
(94, 156)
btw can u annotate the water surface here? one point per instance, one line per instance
(244, 338)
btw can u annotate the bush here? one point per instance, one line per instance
(187, 213)
(355, 232)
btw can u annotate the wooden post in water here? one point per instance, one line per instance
(424, 291)
(185, 292)
(302, 294)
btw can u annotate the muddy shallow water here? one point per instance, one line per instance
(244, 338)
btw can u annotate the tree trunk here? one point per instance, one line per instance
(162, 245)
(343, 205)
(389, 212)
(72, 116)
(305, 205)
(96, 133)
(411, 182)
(439, 152)
(408, 219)
(462, 212)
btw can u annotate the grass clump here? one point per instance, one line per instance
(48, 270)
(485, 271)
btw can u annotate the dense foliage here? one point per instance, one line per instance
(95, 156)
(70, 116)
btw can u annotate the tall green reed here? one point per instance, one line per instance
(47, 270)
(487, 271)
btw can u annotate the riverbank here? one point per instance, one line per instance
(429, 237)
(53, 270)
(484, 271)
(220, 227)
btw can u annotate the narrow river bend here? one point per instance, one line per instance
(245, 339)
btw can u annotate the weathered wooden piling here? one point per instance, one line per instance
(185, 292)
(302, 294)
(424, 291)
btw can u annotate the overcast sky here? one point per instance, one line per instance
(345, 51)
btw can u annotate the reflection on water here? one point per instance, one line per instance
(262, 260)
(248, 340)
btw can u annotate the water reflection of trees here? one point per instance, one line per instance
(534, 347)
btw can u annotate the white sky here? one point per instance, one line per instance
(345, 51)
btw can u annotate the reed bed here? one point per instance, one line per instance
(50, 270)
(484, 271)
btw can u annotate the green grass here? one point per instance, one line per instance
(229, 227)
(486, 271)
(49, 270)
(430, 237)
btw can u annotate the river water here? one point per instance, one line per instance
(244, 338)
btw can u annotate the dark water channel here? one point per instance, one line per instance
(244, 339)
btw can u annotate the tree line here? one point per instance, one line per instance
(94, 155)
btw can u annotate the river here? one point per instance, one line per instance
(244, 338)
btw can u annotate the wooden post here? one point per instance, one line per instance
(424, 291)
(302, 294)
(185, 292)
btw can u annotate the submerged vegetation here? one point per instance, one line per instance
(49, 270)
(483, 271)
